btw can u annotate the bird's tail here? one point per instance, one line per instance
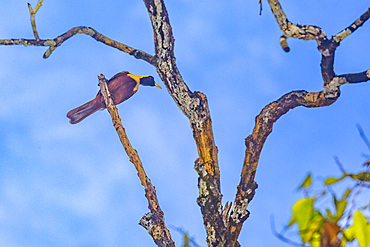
(78, 114)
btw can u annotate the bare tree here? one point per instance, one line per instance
(223, 223)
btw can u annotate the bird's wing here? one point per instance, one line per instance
(123, 90)
(117, 75)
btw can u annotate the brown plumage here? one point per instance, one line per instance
(121, 87)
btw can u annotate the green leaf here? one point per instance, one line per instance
(329, 215)
(348, 236)
(361, 229)
(331, 180)
(314, 226)
(306, 182)
(315, 241)
(186, 240)
(302, 214)
(340, 207)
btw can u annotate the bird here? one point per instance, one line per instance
(121, 87)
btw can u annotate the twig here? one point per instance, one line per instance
(32, 15)
(356, 77)
(279, 14)
(339, 164)
(54, 43)
(363, 136)
(154, 220)
(304, 32)
(260, 3)
(353, 27)
(280, 235)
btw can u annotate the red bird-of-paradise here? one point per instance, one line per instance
(121, 87)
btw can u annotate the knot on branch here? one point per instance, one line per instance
(327, 47)
(198, 104)
(305, 32)
(153, 223)
(332, 89)
(201, 169)
(150, 222)
(240, 213)
(209, 193)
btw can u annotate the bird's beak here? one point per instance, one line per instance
(155, 84)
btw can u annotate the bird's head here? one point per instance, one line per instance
(148, 81)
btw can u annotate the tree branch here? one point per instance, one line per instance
(154, 220)
(54, 43)
(32, 15)
(254, 143)
(273, 111)
(328, 48)
(357, 77)
(304, 32)
(195, 106)
(353, 27)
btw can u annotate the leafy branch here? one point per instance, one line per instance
(322, 226)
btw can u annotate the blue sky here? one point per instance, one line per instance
(72, 185)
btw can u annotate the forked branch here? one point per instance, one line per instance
(56, 42)
(304, 32)
(273, 111)
(32, 15)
